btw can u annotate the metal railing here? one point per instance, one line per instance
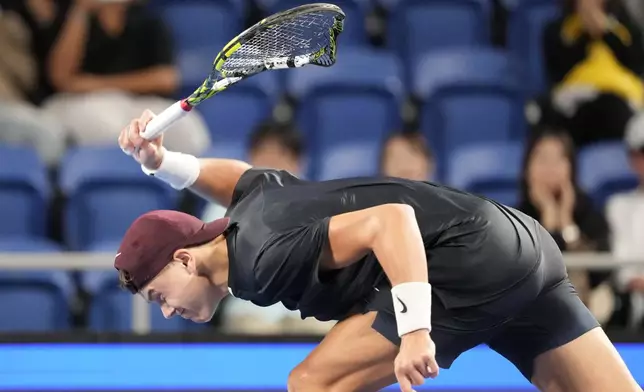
(141, 309)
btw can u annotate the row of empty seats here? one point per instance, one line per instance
(416, 27)
(42, 301)
(105, 189)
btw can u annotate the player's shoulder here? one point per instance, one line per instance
(259, 179)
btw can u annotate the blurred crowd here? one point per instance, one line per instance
(74, 72)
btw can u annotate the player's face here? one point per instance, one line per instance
(404, 161)
(180, 291)
(549, 165)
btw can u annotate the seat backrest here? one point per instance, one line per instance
(603, 170)
(335, 117)
(420, 26)
(490, 169)
(464, 67)
(106, 191)
(35, 301)
(232, 116)
(526, 25)
(356, 67)
(202, 25)
(24, 193)
(349, 160)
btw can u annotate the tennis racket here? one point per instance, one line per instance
(289, 39)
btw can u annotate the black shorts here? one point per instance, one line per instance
(539, 313)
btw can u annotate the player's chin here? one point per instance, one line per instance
(201, 319)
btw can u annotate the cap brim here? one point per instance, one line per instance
(210, 231)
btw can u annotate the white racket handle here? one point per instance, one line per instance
(165, 119)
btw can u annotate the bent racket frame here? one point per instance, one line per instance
(226, 72)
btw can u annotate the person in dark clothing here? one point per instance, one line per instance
(44, 19)
(416, 273)
(110, 60)
(550, 194)
(594, 60)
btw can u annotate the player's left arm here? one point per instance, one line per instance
(391, 232)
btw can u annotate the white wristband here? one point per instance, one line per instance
(413, 306)
(177, 170)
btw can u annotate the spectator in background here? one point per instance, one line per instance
(113, 59)
(594, 60)
(625, 214)
(281, 147)
(549, 193)
(270, 145)
(407, 154)
(44, 19)
(20, 121)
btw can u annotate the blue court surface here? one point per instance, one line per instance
(222, 367)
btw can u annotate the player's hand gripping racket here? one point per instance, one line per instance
(289, 39)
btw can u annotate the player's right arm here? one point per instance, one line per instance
(214, 179)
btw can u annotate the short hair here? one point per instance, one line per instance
(125, 280)
(284, 134)
(416, 140)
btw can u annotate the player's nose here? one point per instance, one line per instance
(168, 311)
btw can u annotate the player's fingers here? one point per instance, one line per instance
(146, 117)
(134, 134)
(433, 368)
(404, 383)
(415, 377)
(422, 368)
(124, 141)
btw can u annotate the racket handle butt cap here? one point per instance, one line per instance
(185, 105)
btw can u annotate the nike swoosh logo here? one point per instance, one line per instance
(404, 309)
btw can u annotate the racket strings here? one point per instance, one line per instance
(305, 34)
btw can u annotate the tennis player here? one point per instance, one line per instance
(417, 273)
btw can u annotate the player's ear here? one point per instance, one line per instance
(187, 260)
(182, 256)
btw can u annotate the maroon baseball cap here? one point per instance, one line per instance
(150, 242)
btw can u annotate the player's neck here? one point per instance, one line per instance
(215, 264)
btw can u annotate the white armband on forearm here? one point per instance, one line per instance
(413, 306)
(177, 170)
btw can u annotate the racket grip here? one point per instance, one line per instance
(165, 119)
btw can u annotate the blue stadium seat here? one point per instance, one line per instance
(24, 195)
(489, 169)
(205, 25)
(230, 151)
(106, 191)
(200, 29)
(111, 307)
(355, 10)
(420, 26)
(526, 25)
(233, 115)
(344, 108)
(603, 170)
(34, 300)
(468, 97)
